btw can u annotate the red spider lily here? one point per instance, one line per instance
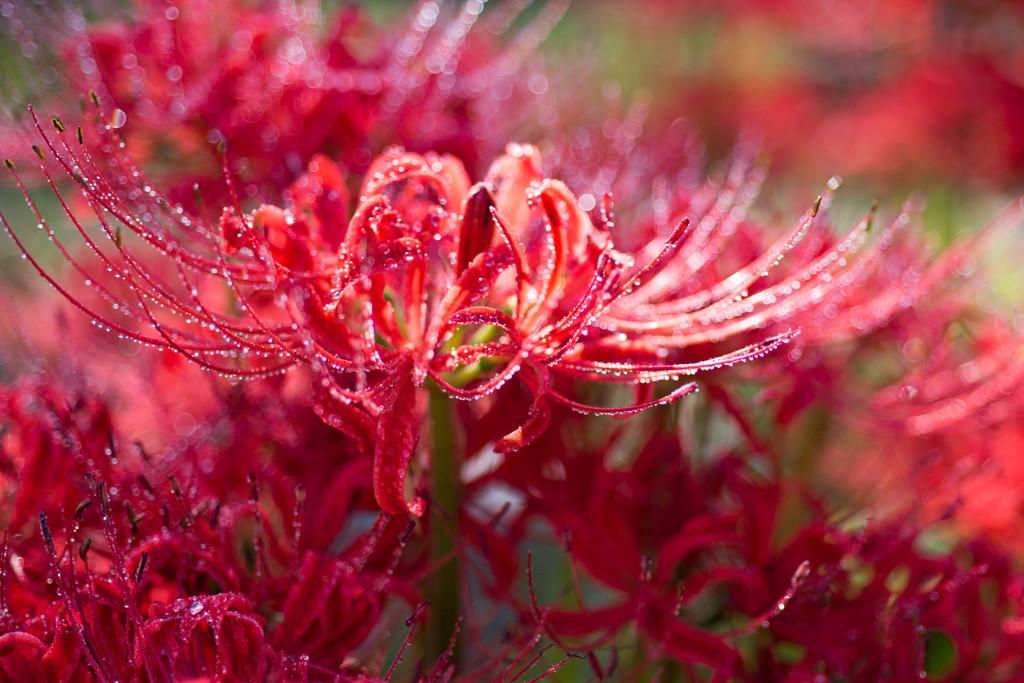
(128, 562)
(516, 280)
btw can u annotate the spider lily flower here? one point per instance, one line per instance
(431, 278)
(127, 571)
(707, 555)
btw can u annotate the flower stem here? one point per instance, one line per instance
(444, 529)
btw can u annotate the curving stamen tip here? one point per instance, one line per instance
(39, 152)
(80, 508)
(801, 573)
(417, 613)
(679, 231)
(58, 124)
(83, 552)
(817, 206)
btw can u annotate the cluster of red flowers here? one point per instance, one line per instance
(898, 91)
(371, 394)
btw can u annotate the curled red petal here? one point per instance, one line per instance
(536, 423)
(395, 444)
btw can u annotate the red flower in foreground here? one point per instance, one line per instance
(432, 278)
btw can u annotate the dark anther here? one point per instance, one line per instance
(142, 452)
(80, 508)
(84, 550)
(44, 527)
(176, 488)
(101, 491)
(215, 515)
(142, 567)
(144, 483)
(871, 214)
(133, 518)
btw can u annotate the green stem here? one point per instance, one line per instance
(443, 589)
